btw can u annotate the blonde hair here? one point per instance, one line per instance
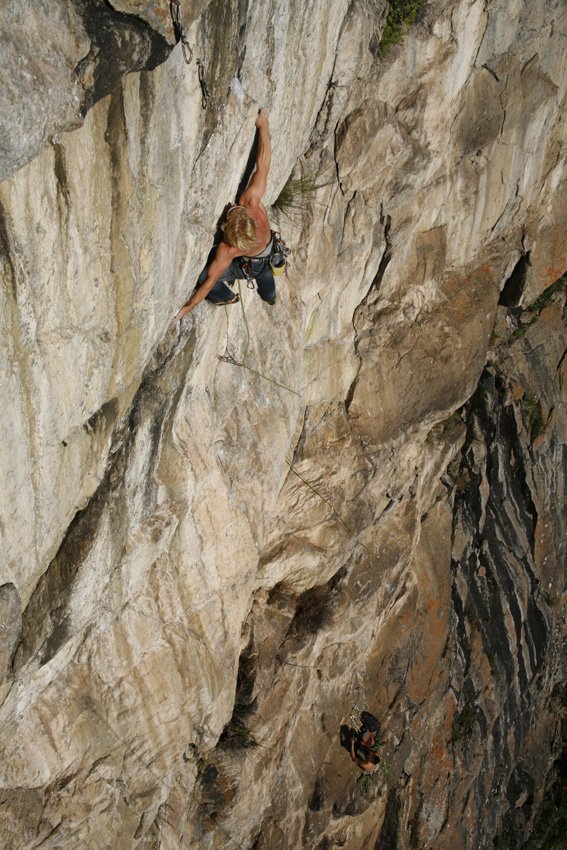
(239, 229)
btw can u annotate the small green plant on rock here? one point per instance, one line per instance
(384, 767)
(401, 15)
(548, 295)
(367, 782)
(532, 313)
(441, 430)
(534, 416)
(552, 599)
(297, 193)
(237, 736)
(463, 723)
(364, 784)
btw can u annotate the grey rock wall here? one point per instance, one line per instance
(207, 562)
(61, 57)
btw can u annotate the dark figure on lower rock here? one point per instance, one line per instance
(362, 743)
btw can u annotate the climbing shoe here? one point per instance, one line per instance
(234, 300)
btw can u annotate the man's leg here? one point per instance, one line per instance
(266, 285)
(221, 293)
(346, 736)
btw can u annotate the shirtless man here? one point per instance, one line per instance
(362, 743)
(247, 234)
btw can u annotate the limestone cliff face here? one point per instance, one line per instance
(219, 536)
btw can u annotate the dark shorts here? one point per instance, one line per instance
(347, 736)
(368, 721)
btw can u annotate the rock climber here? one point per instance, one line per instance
(362, 743)
(246, 248)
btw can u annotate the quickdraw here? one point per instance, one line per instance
(205, 93)
(279, 244)
(247, 272)
(180, 31)
(181, 35)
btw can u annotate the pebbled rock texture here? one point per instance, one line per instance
(220, 538)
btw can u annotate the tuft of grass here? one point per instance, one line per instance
(297, 194)
(548, 295)
(533, 311)
(364, 784)
(552, 599)
(401, 15)
(236, 736)
(534, 416)
(314, 612)
(441, 430)
(367, 783)
(463, 723)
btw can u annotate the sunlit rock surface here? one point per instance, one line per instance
(207, 562)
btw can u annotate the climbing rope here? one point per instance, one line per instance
(333, 509)
(231, 359)
(181, 35)
(357, 690)
(246, 325)
(228, 358)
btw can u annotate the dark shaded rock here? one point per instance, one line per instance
(10, 626)
(60, 58)
(156, 13)
(119, 44)
(514, 287)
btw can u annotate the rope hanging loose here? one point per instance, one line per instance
(180, 31)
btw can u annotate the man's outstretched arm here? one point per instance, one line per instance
(221, 261)
(255, 190)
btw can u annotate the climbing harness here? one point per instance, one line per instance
(246, 267)
(205, 93)
(181, 35)
(180, 31)
(277, 260)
